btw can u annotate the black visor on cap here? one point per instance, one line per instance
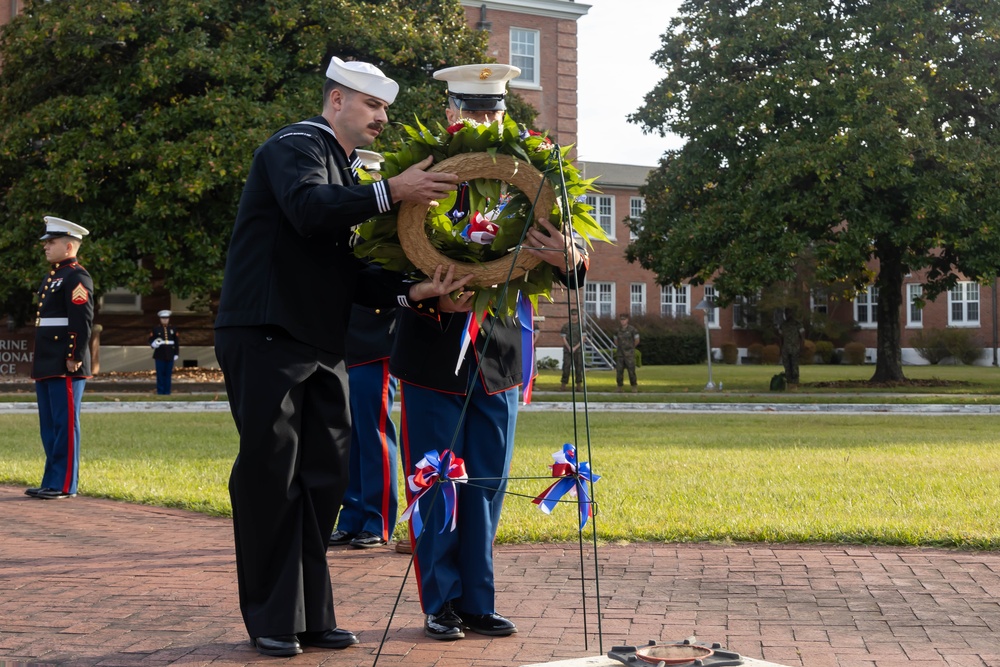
(54, 235)
(479, 102)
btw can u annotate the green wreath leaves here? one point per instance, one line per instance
(509, 208)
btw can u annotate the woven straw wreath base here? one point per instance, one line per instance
(469, 166)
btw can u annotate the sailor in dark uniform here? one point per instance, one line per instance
(289, 284)
(166, 350)
(61, 363)
(368, 515)
(455, 568)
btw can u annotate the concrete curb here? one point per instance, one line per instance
(715, 408)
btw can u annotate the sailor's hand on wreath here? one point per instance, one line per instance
(438, 285)
(420, 186)
(551, 245)
(460, 302)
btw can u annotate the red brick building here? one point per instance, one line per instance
(540, 37)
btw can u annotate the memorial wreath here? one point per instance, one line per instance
(512, 176)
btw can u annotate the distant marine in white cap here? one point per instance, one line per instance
(56, 227)
(164, 314)
(363, 77)
(479, 87)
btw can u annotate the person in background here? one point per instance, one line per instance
(455, 568)
(573, 339)
(166, 350)
(626, 339)
(61, 363)
(371, 503)
(289, 283)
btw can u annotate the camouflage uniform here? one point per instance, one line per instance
(572, 359)
(625, 339)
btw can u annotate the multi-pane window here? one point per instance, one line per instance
(712, 314)
(120, 300)
(914, 305)
(524, 53)
(637, 298)
(819, 301)
(963, 304)
(674, 300)
(636, 207)
(599, 299)
(745, 313)
(604, 212)
(866, 307)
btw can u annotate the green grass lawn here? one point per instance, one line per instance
(919, 480)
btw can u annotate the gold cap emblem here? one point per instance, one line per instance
(485, 73)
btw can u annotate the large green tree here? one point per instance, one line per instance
(863, 132)
(138, 118)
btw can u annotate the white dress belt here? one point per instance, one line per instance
(52, 322)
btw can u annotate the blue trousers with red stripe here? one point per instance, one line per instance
(457, 566)
(59, 424)
(372, 499)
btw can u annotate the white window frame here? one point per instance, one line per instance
(603, 212)
(599, 299)
(675, 301)
(637, 298)
(963, 304)
(636, 209)
(123, 301)
(712, 314)
(523, 40)
(739, 320)
(819, 301)
(914, 314)
(866, 308)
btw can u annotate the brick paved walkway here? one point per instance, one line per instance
(96, 582)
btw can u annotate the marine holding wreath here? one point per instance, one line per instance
(455, 568)
(289, 284)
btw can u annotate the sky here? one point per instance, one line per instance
(615, 40)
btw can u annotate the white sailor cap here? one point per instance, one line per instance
(57, 227)
(164, 313)
(370, 160)
(478, 87)
(363, 77)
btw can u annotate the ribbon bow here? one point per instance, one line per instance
(573, 479)
(481, 229)
(445, 469)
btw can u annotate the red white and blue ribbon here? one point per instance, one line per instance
(526, 314)
(573, 480)
(445, 469)
(469, 335)
(480, 229)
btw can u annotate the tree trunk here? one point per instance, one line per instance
(889, 358)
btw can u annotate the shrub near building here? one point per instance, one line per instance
(665, 341)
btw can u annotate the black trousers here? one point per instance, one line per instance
(290, 404)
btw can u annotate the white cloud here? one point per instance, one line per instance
(616, 39)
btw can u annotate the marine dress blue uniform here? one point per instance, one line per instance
(371, 502)
(164, 354)
(455, 568)
(63, 324)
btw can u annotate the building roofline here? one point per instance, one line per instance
(615, 175)
(560, 9)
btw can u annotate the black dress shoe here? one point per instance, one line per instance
(367, 540)
(341, 538)
(33, 491)
(445, 624)
(279, 645)
(53, 494)
(335, 638)
(493, 625)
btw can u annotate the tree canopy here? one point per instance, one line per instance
(138, 119)
(862, 132)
